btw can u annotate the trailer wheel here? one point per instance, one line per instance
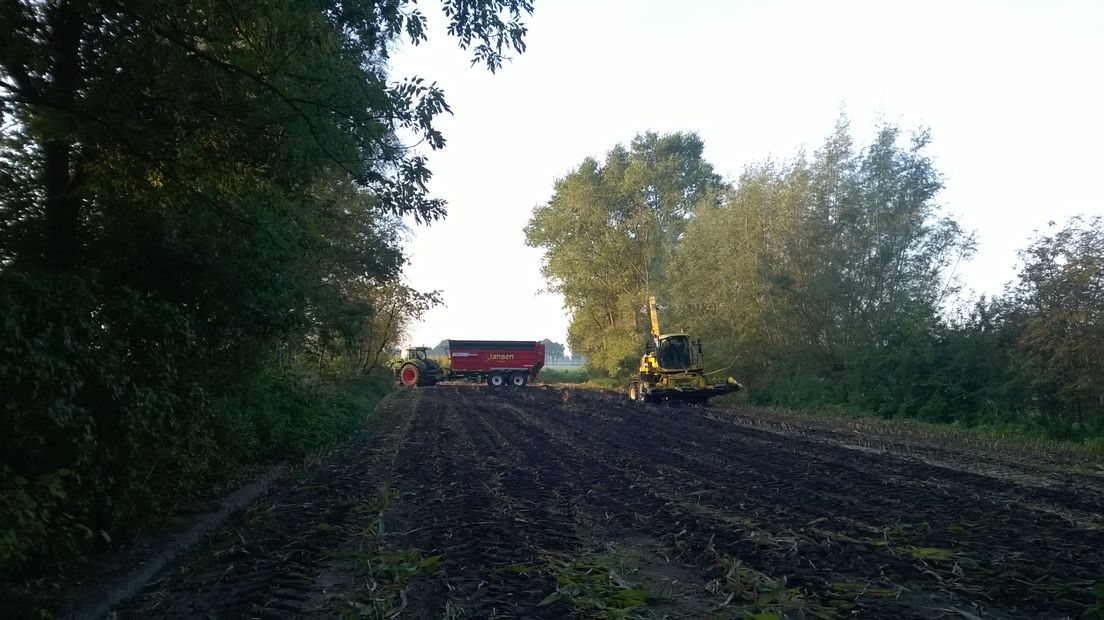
(496, 379)
(408, 375)
(519, 379)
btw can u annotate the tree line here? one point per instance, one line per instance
(826, 279)
(201, 206)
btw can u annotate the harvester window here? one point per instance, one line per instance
(674, 352)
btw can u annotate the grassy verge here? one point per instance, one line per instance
(578, 375)
(563, 374)
(1000, 440)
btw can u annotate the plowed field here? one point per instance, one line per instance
(552, 502)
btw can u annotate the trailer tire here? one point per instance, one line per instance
(519, 379)
(409, 375)
(496, 379)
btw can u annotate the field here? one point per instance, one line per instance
(565, 501)
(564, 374)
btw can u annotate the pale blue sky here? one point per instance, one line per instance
(1012, 92)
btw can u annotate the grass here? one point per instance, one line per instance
(563, 374)
(578, 375)
(1081, 458)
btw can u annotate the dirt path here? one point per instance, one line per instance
(546, 502)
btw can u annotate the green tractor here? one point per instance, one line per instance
(416, 368)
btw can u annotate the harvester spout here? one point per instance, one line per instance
(654, 312)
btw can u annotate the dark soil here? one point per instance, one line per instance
(467, 501)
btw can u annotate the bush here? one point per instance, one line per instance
(100, 415)
(115, 410)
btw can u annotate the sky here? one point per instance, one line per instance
(1012, 92)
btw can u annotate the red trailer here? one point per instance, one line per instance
(498, 362)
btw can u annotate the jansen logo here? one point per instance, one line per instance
(501, 356)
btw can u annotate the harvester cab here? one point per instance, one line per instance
(673, 369)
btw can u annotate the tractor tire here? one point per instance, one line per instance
(409, 375)
(519, 379)
(496, 379)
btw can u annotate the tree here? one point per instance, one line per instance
(197, 199)
(1061, 293)
(157, 95)
(820, 271)
(974, 376)
(554, 350)
(608, 233)
(719, 288)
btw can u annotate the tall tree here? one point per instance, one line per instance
(823, 265)
(608, 235)
(720, 289)
(189, 191)
(1061, 294)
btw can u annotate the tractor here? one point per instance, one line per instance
(417, 369)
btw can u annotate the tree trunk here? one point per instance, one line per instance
(62, 202)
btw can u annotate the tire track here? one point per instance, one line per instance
(496, 482)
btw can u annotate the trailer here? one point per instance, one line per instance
(496, 362)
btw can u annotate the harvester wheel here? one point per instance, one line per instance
(496, 379)
(634, 391)
(408, 375)
(519, 379)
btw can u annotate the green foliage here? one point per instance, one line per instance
(102, 437)
(563, 375)
(832, 267)
(828, 281)
(85, 413)
(200, 223)
(608, 233)
(1061, 298)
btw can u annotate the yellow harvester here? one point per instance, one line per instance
(672, 369)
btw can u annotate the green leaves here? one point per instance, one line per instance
(815, 272)
(1061, 300)
(201, 208)
(608, 234)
